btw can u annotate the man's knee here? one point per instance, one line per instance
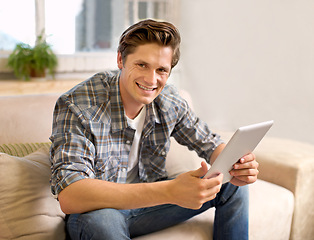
(231, 193)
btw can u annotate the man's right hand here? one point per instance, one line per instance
(189, 190)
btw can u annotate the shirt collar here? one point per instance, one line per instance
(118, 120)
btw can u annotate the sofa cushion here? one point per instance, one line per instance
(271, 209)
(22, 149)
(27, 208)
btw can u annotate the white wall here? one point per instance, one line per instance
(246, 61)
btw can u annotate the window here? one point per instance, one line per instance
(156, 9)
(81, 32)
(95, 25)
(17, 24)
(61, 24)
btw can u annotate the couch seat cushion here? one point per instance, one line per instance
(271, 208)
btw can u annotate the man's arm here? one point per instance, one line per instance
(187, 190)
(215, 153)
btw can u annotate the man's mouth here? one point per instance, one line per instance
(145, 88)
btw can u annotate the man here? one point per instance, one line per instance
(110, 138)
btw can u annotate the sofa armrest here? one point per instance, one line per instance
(290, 164)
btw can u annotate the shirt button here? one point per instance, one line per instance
(123, 169)
(128, 142)
(163, 153)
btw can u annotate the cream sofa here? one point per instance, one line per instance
(280, 201)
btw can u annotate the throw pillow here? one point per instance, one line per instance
(28, 210)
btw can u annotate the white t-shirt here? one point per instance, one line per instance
(137, 124)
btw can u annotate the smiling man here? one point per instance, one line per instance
(110, 139)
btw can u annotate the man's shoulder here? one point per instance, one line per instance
(93, 91)
(170, 98)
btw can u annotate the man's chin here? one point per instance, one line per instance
(147, 100)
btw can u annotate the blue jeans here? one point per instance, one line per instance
(231, 218)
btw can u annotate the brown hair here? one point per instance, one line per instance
(150, 31)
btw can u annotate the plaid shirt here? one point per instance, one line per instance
(91, 137)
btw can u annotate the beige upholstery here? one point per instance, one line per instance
(290, 164)
(26, 118)
(285, 165)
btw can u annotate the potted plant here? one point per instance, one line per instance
(28, 62)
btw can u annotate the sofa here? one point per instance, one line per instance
(280, 201)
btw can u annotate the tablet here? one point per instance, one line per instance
(243, 141)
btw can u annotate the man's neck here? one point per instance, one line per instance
(132, 111)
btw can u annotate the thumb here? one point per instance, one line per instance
(201, 171)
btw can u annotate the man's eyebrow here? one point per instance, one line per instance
(141, 61)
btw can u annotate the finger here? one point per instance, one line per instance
(219, 177)
(247, 179)
(247, 158)
(214, 181)
(237, 182)
(213, 187)
(201, 171)
(244, 172)
(252, 164)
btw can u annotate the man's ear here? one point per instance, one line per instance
(119, 60)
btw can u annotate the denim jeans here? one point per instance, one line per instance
(231, 218)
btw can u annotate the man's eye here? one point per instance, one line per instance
(162, 70)
(142, 65)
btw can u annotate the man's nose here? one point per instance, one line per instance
(151, 77)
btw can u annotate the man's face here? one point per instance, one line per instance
(143, 76)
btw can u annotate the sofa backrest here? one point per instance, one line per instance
(26, 118)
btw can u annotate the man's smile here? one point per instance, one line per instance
(145, 88)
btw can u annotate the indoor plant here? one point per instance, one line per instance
(27, 61)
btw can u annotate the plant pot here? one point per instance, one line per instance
(36, 75)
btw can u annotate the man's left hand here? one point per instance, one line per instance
(245, 171)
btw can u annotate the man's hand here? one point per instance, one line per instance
(245, 170)
(189, 190)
